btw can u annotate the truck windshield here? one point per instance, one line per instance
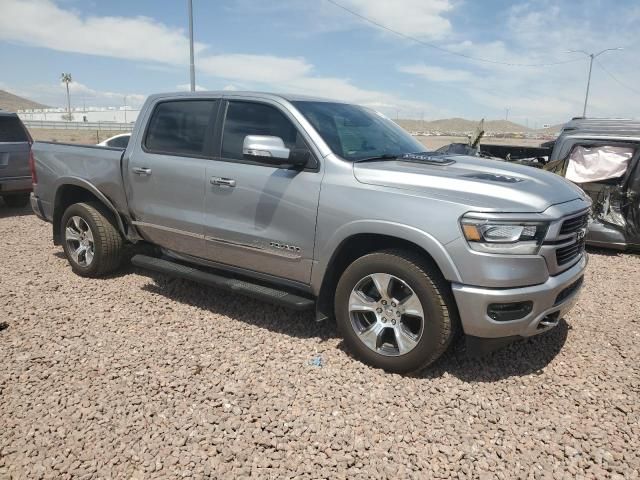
(355, 133)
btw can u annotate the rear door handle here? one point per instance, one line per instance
(141, 171)
(227, 182)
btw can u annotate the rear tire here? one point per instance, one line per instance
(406, 328)
(91, 241)
(19, 200)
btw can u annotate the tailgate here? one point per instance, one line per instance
(14, 159)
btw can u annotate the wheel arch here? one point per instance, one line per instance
(73, 190)
(344, 249)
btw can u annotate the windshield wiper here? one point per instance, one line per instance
(384, 156)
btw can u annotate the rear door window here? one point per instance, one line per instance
(11, 129)
(181, 127)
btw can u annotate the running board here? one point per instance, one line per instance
(260, 292)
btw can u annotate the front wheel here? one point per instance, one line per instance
(394, 310)
(91, 241)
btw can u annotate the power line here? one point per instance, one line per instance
(616, 79)
(442, 49)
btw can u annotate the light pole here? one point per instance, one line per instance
(592, 57)
(192, 66)
(125, 109)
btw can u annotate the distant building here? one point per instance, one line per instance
(90, 114)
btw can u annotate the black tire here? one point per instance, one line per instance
(19, 200)
(433, 291)
(107, 241)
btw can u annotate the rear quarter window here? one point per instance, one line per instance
(180, 127)
(120, 142)
(11, 129)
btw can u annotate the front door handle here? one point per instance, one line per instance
(227, 182)
(141, 171)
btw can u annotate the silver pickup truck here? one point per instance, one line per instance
(311, 203)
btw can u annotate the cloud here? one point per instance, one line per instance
(186, 87)
(51, 26)
(42, 23)
(437, 74)
(541, 31)
(267, 68)
(423, 19)
(538, 31)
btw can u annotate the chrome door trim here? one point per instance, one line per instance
(168, 229)
(257, 248)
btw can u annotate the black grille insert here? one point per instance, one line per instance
(570, 290)
(574, 224)
(566, 254)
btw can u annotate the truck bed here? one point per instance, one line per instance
(60, 163)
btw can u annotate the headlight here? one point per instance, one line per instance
(502, 236)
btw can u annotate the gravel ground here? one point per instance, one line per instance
(132, 377)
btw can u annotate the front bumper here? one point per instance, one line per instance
(549, 306)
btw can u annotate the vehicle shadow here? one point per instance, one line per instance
(238, 307)
(525, 357)
(6, 212)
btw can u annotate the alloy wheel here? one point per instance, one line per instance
(79, 239)
(386, 314)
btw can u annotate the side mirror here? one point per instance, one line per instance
(265, 146)
(270, 149)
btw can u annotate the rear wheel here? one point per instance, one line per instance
(91, 241)
(16, 201)
(394, 310)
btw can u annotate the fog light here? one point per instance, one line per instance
(504, 312)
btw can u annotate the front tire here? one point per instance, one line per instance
(91, 241)
(395, 310)
(19, 200)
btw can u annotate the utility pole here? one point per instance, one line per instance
(125, 109)
(592, 57)
(192, 66)
(506, 117)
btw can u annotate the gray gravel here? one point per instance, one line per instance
(140, 378)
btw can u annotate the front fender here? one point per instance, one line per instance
(405, 232)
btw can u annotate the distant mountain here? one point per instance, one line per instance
(461, 125)
(12, 103)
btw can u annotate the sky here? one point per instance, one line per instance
(130, 48)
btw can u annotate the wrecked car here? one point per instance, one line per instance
(601, 156)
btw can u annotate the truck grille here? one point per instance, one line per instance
(564, 246)
(574, 224)
(566, 254)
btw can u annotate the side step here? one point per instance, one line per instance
(260, 292)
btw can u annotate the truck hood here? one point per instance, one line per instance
(488, 185)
